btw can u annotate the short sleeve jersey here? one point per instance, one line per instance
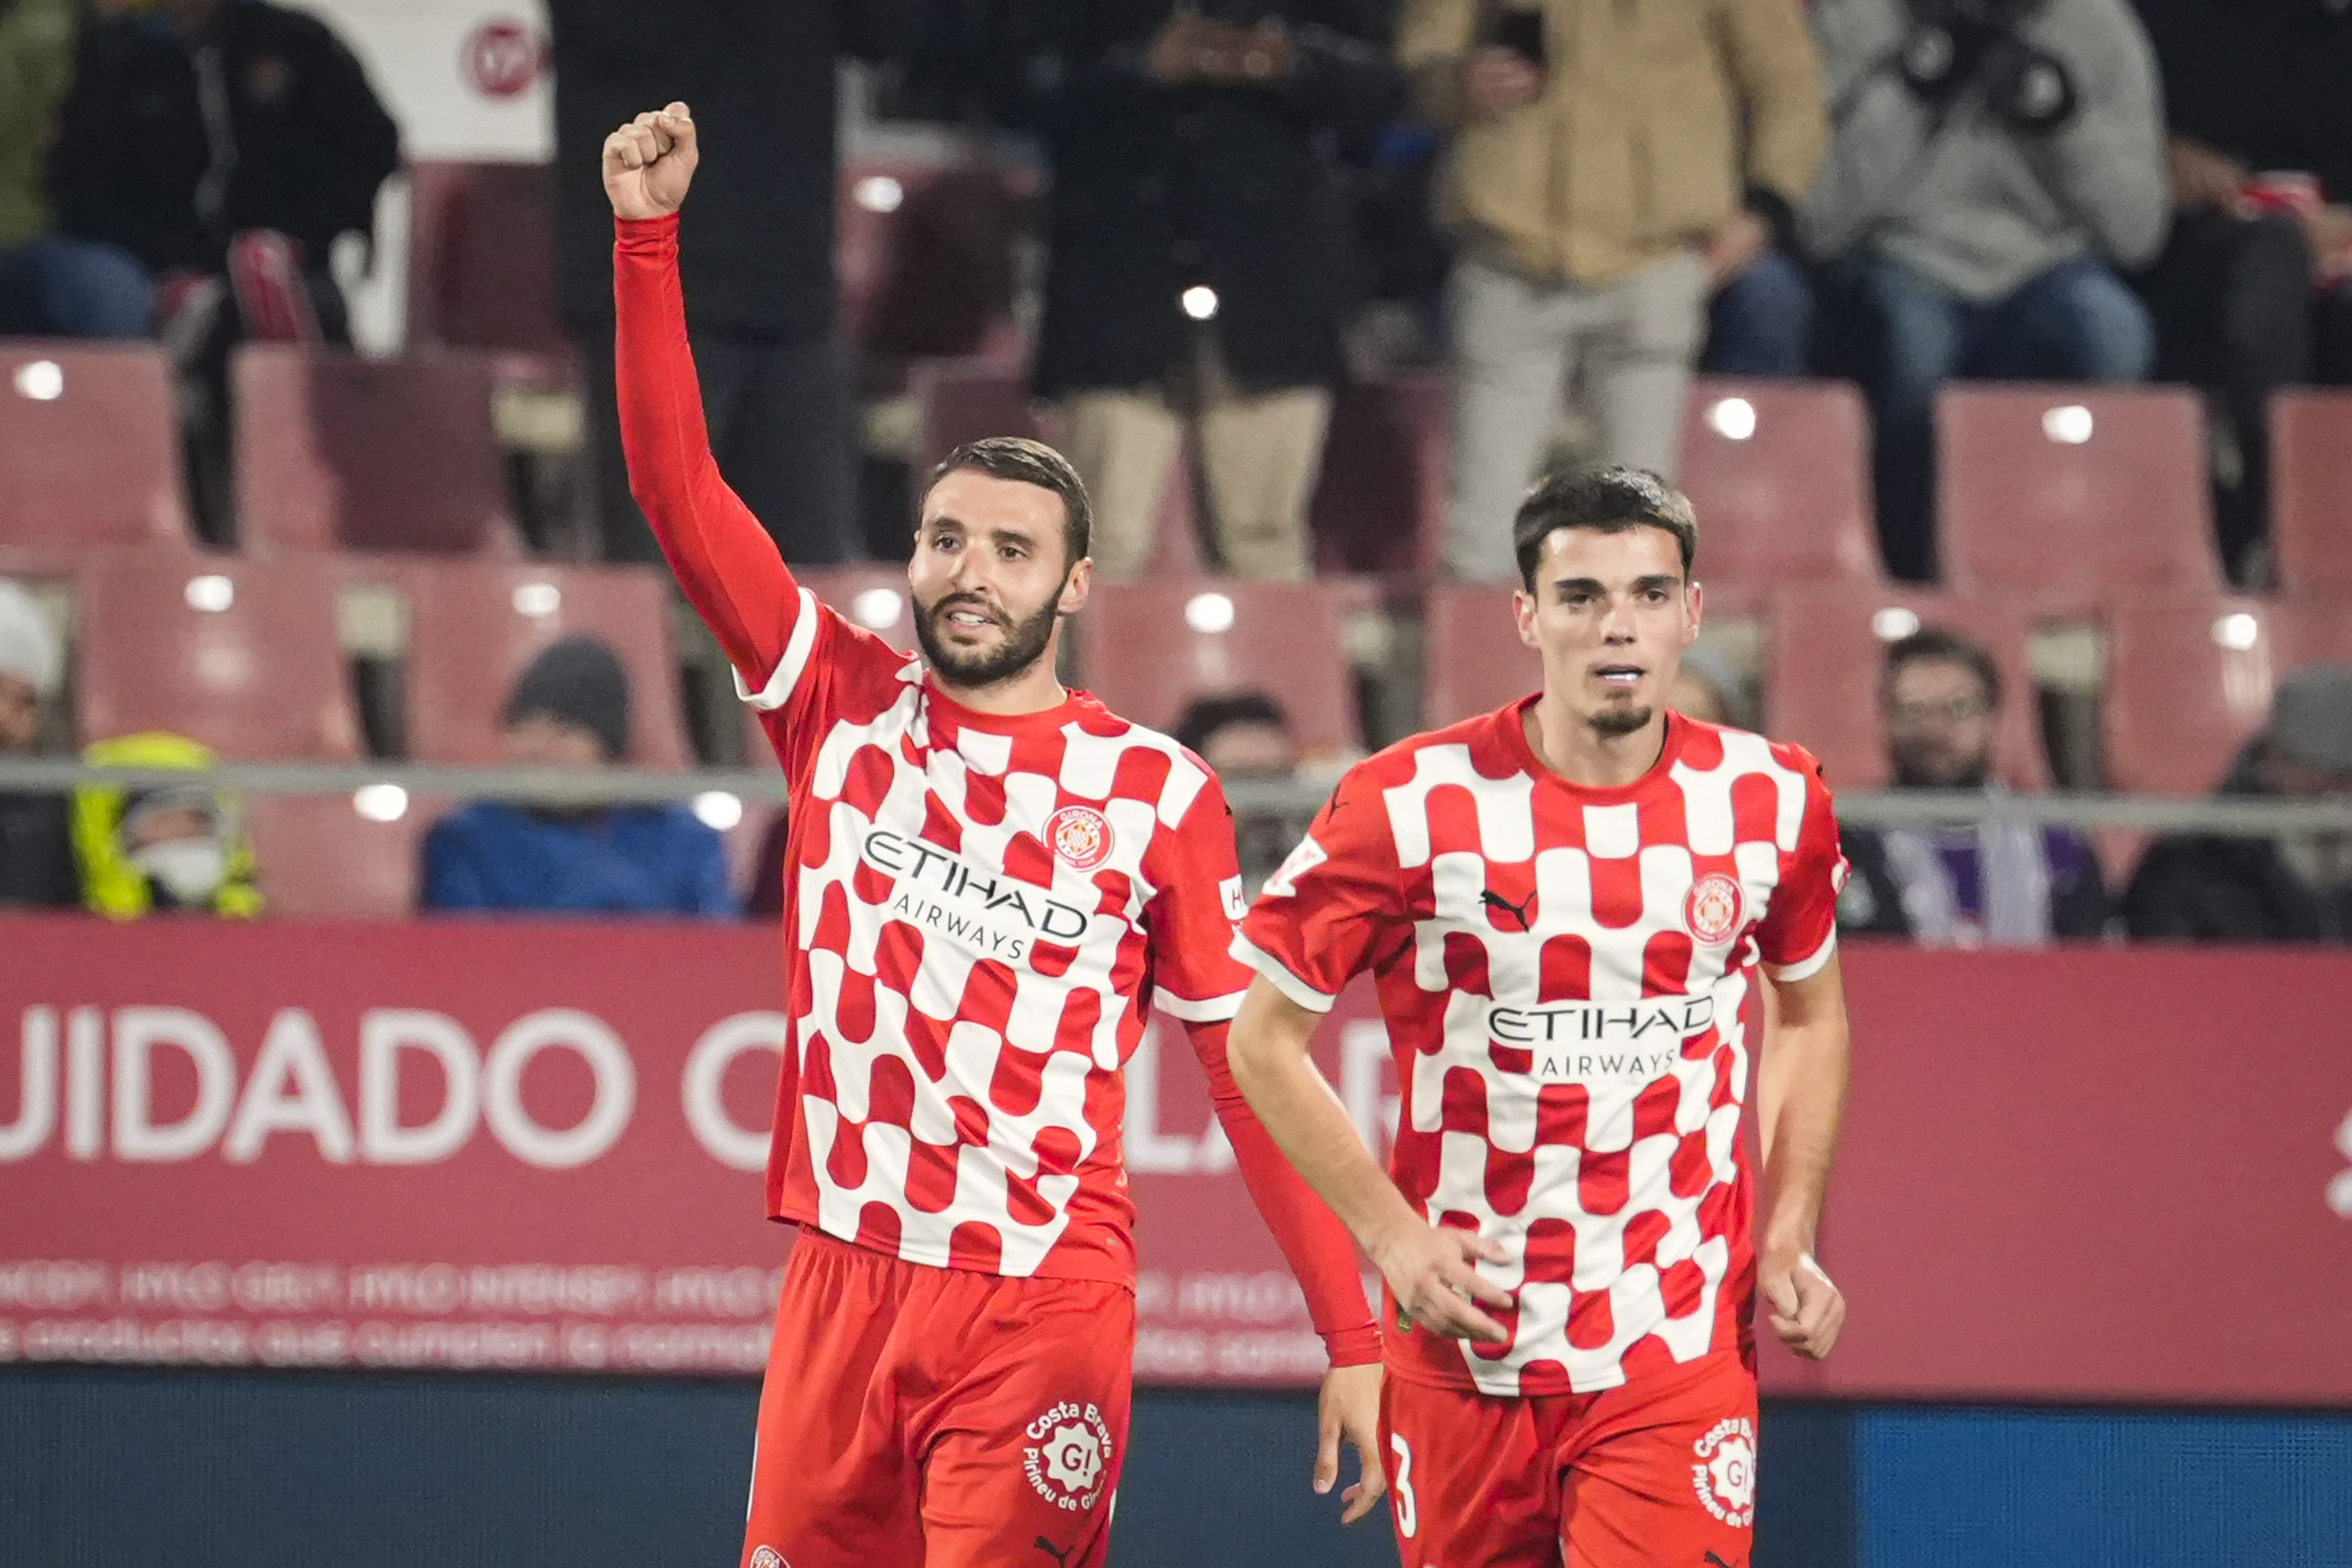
(1566, 975)
(980, 912)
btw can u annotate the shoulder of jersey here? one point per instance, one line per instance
(1394, 763)
(1787, 753)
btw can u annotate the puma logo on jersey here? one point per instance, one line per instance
(1494, 901)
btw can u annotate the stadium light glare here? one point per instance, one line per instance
(2237, 631)
(2069, 424)
(538, 599)
(1199, 303)
(880, 194)
(1209, 613)
(877, 609)
(1733, 419)
(42, 380)
(718, 810)
(211, 594)
(1895, 623)
(381, 801)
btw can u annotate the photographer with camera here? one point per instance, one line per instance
(1992, 165)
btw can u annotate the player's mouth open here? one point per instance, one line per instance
(1620, 674)
(967, 618)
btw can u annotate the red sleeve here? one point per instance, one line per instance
(1196, 979)
(1798, 932)
(1335, 907)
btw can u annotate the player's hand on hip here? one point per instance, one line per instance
(1806, 1310)
(1431, 1271)
(1350, 1408)
(649, 163)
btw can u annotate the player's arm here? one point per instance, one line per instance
(725, 561)
(1800, 1096)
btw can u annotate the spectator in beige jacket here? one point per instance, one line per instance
(1611, 162)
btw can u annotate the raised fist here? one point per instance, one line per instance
(649, 163)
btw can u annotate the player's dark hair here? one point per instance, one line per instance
(1030, 463)
(1935, 643)
(1611, 501)
(1207, 715)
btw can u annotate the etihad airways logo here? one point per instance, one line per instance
(937, 890)
(1583, 1042)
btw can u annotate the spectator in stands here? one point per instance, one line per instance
(1973, 884)
(36, 861)
(2210, 887)
(571, 711)
(1245, 735)
(1608, 165)
(169, 849)
(226, 144)
(51, 284)
(757, 259)
(764, 900)
(1192, 285)
(1992, 163)
(2254, 290)
(1708, 688)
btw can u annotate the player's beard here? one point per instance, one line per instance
(1022, 646)
(1612, 723)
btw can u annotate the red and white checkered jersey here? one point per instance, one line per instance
(1566, 975)
(983, 910)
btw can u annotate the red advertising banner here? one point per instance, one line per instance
(535, 1146)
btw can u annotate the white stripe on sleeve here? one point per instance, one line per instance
(789, 669)
(1289, 985)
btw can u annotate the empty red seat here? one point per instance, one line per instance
(1147, 649)
(1380, 501)
(2063, 493)
(1825, 656)
(481, 257)
(1779, 474)
(924, 256)
(2311, 492)
(961, 400)
(2189, 681)
(90, 446)
(473, 628)
(244, 656)
(319, 858)
(334, 451)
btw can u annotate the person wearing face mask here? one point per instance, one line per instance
(1971, 884)
(174, 849)
(36, 859)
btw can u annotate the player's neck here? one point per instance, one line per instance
(1583, 756)
(1035, 690)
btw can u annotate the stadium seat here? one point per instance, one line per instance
(481, 258)
(1778, 472)
(318, 857)
(1380, 503)
(334, 451)
(961, 400)
(1823, 656)
(474, 626)
(2061, 494)
(1147, 649)
(2189, 681)
(2311, 493)
(924, 256)
(89, 447)
(244, 656)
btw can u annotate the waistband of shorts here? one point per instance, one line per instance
(1074, 1269)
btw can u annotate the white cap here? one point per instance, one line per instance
(29, 642)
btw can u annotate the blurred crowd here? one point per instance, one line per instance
(1574, 206)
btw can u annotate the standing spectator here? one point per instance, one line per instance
(2258, 96)
(1992, 162)
(51, 285)
(758, 258)
(571, 711)
(1609, 164)
(225, 144)
(36, 859)
(1192, 283)
(1971, 884)
(2208, 887)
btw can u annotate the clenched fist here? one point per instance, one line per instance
(649, 163)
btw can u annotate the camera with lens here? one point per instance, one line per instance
(1953, 43)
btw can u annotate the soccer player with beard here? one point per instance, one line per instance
(1567, 906)
(989, 882)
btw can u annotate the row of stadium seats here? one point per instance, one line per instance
(2056, 495)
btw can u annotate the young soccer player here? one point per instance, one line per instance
(989, 882)
(1567, 906)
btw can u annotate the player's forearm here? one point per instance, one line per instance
(724, 560)
(1800, 1098)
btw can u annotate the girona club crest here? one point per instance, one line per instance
(1712, 912)
(1080, 837)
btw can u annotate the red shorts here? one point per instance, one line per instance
(938, 1417)
(1660, 1472)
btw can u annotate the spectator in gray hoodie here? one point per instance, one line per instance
(1992, 165)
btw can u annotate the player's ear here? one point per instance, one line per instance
(1523, 610)
(1076, 586)
(1696, 600)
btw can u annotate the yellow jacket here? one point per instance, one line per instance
(111, 885)
(1657, 119)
